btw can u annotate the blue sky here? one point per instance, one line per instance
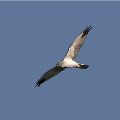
(34, 36)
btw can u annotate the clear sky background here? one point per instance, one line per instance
(34, 36)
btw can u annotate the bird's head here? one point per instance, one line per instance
(59, 63)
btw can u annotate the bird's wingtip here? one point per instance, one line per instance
(86, 30)
(39, 82)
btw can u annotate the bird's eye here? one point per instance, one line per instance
(57, 64)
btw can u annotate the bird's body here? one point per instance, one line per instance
(69, 60)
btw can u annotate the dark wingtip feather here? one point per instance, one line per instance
(39, 82)
(86, 31)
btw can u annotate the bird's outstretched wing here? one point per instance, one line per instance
(77, 44)
(49, 74)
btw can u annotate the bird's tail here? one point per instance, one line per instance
(39, 82)
(83, 66)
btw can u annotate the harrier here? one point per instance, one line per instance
(69, 59)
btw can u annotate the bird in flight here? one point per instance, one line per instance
(69, 59)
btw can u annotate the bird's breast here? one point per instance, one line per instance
(69, 63)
